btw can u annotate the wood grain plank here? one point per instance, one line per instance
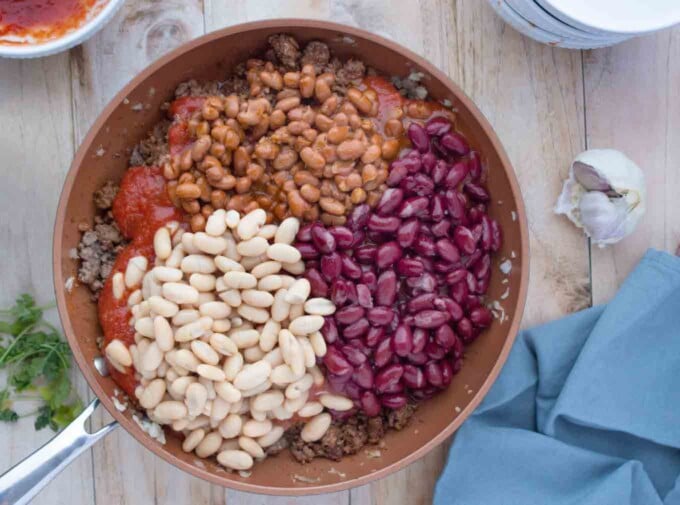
(144, 30)
(633, 105)
(37, 148)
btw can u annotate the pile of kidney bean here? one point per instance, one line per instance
(407, 277)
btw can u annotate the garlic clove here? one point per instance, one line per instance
(602, 218)
(590, 178)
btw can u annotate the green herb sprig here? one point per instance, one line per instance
(37, 362)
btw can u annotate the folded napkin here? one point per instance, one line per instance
(586, 410)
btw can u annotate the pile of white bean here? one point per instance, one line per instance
(226, 343)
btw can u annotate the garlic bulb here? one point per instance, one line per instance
(604, 194)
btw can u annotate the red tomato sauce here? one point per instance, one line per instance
(180, 112)
(140, 208)
(42, 19)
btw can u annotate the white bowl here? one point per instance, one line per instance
(67, 41)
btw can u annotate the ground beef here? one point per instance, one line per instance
(348, 436)
(350, 74)
(316, 53)
(286, 49)
(103, 197)
(152, 150)
(196, 88)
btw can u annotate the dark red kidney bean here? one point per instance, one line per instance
(439, 172)
(431, 318)
(418, 183)
(444, 267)
(383, 353)
(476, 231)
(457, 349)
(350, 314)
(413, 161)
(483, 285)
(444, 336)
(329, 330)
(464, 330)
(386, 288)
(447, 250)
(319, 287)
(420, 338)
(370, 280)
(393, 401)
(427, 263)
(337, 383)
(380, 316)
(429, 162)
(353, 391)
(437, 208)
(434, 350)
(331, 266)
(383, 224)
(350, 268)
(418, 137)
(464, 239)
(402, 340)
(358, 238)
(456, 174)
(315, 264)
(482, 267)
(364, 297)
(339, 292)
(370, 404)
(447, 372)
(413, 377)
(351, 292)
(322, 239)
(388, 254)
(425, 246)
(374, 336)
(456, 276)
(441, 229)
(388, 376)
(437, 126)
(396, 387)
(486, 239)
(417, 358)
(353, 355)
(413, 206)
(496, 236)
(468, 261)
(335, 362)
(365, 254)
(457, 365)
(472, 302)
(389, 201)
(344, 238)
(356, 330)
(363, 375)
(455, 205)
(304, 234)
(408, 232)
(475, 215)
(476, 192)
(358, 217)
(451, 306)
(397, 173)
(440, 151)
(307, 250)
(421, 302)
(426, 282)
(410, 267)
(471, 282)
(480, 316)
(459, 291)
(455, 143)
(475, 164)
(433, 374)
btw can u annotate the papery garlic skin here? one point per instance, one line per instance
(604, 195)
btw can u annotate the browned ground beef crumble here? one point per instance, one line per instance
(99, 246)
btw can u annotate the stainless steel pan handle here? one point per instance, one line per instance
(21, 483)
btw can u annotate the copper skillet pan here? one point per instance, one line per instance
(119, 127)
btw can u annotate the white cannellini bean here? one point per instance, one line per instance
(167, 274)
(268, 231)
(251, 223)
(232, 297)
(287, 280)
(215, 310)
(231, 251)
(203, 282)
(266, 268)
(185, 316)
(205, 297)
(297, 268)
(272, 437)
(211, 372)
(233, 365)
(209, 244)
(221, 325)
(282, 375)
(198, 263)
(227, 392)
(269, 335)
(316, 428)
(208, 385)
(310, 409)
(199, 422)
(298, 292)
(162, 307)
(292, 352)
(118, 285)
(135, 297)
(170, 410)
(219, 410)
(270, 283)
(178, 387)
(223, 344)
(280, 308)
(256, 429)
(232, 218)
(176, 257)
(193, 330)
(193, 439)
(162, 244)
(188, 243)
(256, 298)
(220, 285)
(240, 280)
(295, 404)
(235, 460)
(244, 338)
(254, 314)
(180, 424)
(308, 351)
(305, 325)
(318, 344)
(231, 426)
(287, 231)
(179, 293)
(196, 397)
(118, 354)
(247, 393)
(295, 390)
(152, 394)
(319, 307)
(253, 354)
(186, 359)
(253, 247)
(296, 310)
(205, 352)
(216, 224)
(267, 401)
(274, 357)
(252, 376)
(319, 377)
(152, 358)
(144, 326)
(281, 413)
(336, 402)
(209, 445)
(206, 409)
(228, 265)
(284, 253)
(134, 272)
(251, 447)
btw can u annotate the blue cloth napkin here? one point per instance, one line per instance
(586, 410)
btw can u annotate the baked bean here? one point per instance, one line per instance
(285, 159)
(272, 80)
(287, 103)
(307, 83)
(297, 204)
(191, 206)
(297, 127)
(394, 128)
(291, 79)
(200, 147)
(267, 150)
(351, 149)
(277, 119)
(330, 105)
(312, 159)
(390, 149)
(218, 198)
(188, 190)
(302, 177)
(359, 100)
(211, 108)
(322, 89)
(358, 196)
(332, 206)
(333, 220)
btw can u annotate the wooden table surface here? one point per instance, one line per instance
(546, 105)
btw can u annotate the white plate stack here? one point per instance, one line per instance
(587, 24)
